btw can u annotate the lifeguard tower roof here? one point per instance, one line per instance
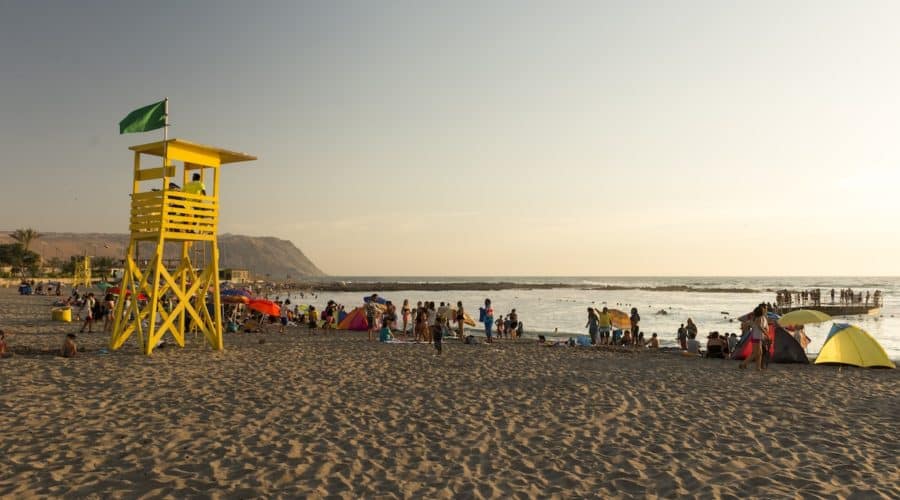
(190, 148)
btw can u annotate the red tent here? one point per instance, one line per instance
(356, 321)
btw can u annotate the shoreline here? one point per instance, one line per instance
(396, 286)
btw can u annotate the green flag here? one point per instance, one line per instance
(144, 119)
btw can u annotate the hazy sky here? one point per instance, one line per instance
(480, 138)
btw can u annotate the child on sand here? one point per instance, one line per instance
(69, 349)
(653, 343)
(437, 332)
(384, 334)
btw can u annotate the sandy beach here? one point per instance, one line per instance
(337, 416)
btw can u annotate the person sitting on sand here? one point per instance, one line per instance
(384, 335)
(715, 348)
(693, 345)
(69, 349)
(313, 318)
(653, 343)
(626, 338)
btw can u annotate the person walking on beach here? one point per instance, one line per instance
(758, 328)
(88, 309)
(488, 320)
(593, 324)
(460, 321)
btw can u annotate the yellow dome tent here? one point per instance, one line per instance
(851, 345)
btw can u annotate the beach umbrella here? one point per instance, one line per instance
(235, 299)
(265, 307)
(803, 317)
(620, 319)
(118, 291)
(235, 292)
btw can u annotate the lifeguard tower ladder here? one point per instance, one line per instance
(82, 272)
(169, 217)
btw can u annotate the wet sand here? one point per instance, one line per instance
(335, 415)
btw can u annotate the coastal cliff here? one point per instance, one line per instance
(266, 257)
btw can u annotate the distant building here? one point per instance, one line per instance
(235, 275)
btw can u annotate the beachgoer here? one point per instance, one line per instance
(437, 333)
(88, 309)
(421, 322)
(693, 345)
(635, 322)
(406, 314)
(653, 343)
(385, 334)
(691, 328)
(715, 348)
(501, 326)
(513, 330)
(313, 317)
(371, 310)
(488, 320)
(593, 324)
(626, 338)
(758, 330)
(283, 316)
(69, 349)
(109, 303)
(460, 321)
(732, 342)
(604, 325)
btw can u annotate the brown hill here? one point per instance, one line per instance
(262, 255)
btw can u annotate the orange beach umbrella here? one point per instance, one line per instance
(265, 307)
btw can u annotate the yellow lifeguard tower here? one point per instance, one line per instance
(82, 272)
(172, 217)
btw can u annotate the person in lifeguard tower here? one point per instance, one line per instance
(195, 186)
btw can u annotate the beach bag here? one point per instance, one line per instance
(481, 314)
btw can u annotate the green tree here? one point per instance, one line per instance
(23, 262)
(25, 236)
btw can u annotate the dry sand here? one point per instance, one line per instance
(338, 416)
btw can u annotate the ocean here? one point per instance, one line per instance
(564, 309)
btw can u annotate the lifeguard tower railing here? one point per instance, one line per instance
(175, 215)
